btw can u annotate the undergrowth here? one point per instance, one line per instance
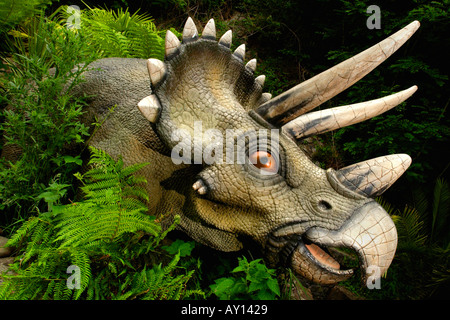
(107, 237)
(42, 133)
(249, 281)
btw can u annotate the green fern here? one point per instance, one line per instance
(13, 12)
(410, 229)
(113, 205)
(108, 236)
(158, 283)
(117, 33)
(423, 242)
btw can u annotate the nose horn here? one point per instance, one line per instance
(372, 177)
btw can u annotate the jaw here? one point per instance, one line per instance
(370, 232)
(316, 264)
(308, 259)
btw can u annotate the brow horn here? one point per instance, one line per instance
(324, 86)
(318, 122)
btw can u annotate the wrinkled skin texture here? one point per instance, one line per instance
(289, 214)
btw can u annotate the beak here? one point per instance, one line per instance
(371, 232)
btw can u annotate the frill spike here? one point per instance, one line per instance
(266, 96)
(190, 32)
(240, 52)
(157, 70)
(150, 108)
(209, 32)
(251, 65)
(172, 44)
(260, 80)
(226, 39)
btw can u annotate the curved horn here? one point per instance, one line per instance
(331, 119)
(322, 87)
(372, 177)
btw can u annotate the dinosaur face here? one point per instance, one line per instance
(253, 179)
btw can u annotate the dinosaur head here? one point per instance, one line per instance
(253, 178)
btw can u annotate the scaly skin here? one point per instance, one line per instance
(202, 81)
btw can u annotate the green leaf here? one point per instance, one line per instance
(272, 284)
(265, 295)
(222, 287)
(181, 247)
(49, 196)
(255, 285)
(242, 267)
(69, 159)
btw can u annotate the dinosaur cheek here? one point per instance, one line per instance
(222, 184)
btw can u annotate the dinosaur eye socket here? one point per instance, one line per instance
(263, 160)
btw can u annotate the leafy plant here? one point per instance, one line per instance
(250, 280)
(423, 252)
(12, 12)
(118, 33)
(180, 247)
(108, 236)
(41, 126)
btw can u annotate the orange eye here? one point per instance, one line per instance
(264, 161)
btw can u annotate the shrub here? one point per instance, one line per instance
(41, 127)
(250, 280)
(107, 237)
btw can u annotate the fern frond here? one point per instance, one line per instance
(81, 259)
(5, 290)
(23, 231)
(410, 229)
(118, 33)
(128, 171)
(108, 236)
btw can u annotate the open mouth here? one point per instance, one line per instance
(312, 260)
(322, 256)
(319, 263)
(311, 250)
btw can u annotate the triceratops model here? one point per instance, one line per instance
(225, 156)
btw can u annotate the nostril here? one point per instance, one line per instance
(324, 205)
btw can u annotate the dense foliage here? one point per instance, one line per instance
(107, 236)
(292, 42)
